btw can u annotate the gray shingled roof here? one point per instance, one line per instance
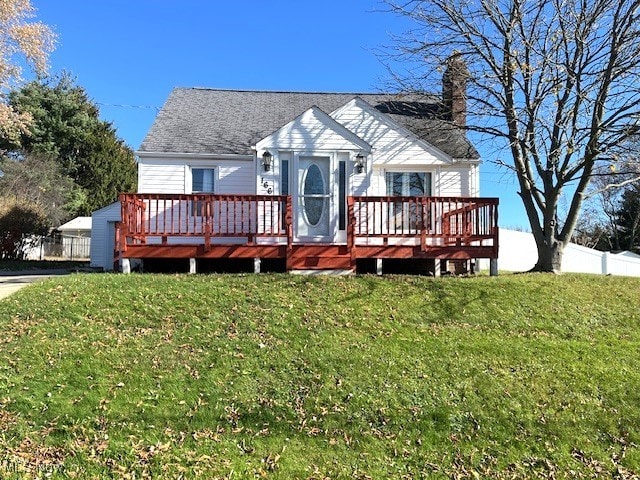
(199, 120)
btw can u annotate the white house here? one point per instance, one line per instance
(316, 181)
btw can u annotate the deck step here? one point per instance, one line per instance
(320, 263)
(320, 257)
(319, 250)
(346, 271)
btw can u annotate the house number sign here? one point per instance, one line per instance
(266, 186)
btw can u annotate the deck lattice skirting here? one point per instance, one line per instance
(262, 226)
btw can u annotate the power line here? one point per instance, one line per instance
(120, 105)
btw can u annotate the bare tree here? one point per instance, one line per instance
(597, 226)
(556, 82)
(22, 42)
(610, 200)
(39, 182)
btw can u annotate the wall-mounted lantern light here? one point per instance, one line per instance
(359, 162)
(267, 161)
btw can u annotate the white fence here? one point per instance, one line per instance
(518, 253)
(59, 247)
(620, 265)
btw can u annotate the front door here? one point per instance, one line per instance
(314, 207)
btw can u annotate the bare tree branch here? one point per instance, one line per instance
(557, 82)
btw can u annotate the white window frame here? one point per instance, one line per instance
(214, 177)
(407, 172)
(195, 208)
(403, 218)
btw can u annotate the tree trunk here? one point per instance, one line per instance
(549, 256)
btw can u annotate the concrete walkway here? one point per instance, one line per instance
(11, 282)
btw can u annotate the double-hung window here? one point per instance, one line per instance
(202, 181)
(407, 214)
(408, 184)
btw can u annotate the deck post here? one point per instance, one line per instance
(423, 225)
(288, 221)
(378, 266)
(351, 231)
(493, 267)
(256, 265)
(125, 265)
(192, 265)
(605, 263)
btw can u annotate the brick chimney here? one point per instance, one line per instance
(454, 89)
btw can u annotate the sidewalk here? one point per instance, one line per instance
(12, 281)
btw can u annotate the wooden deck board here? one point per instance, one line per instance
(199, 251)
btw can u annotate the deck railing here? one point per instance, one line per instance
(204, 215)
(443, 220)
(434, 221)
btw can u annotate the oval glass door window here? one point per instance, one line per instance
(314, 185)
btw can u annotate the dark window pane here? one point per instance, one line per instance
(416, 184)
(398, 182)
(202, 180)
(342, 195)
(314, 208)
(284, 189)
(313, 183)
(197, 179)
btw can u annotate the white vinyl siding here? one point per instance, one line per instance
(474, 180)
(236, 179)
(161, 178)
(313, 130)
(162, 175)
(454, 182)
(378, 186)
(392, 147)
(395, 149)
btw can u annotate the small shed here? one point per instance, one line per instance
(76, 238)
(103, 236)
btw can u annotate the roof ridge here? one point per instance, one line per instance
(302, 92)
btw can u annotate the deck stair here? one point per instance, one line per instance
(319, 257)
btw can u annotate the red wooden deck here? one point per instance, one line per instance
(259, 226)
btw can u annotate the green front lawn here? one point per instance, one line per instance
(279, 376)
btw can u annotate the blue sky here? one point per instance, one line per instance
(129, 54)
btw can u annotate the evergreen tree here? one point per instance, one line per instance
(104, 167)
(628, 219)
(66, 127)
